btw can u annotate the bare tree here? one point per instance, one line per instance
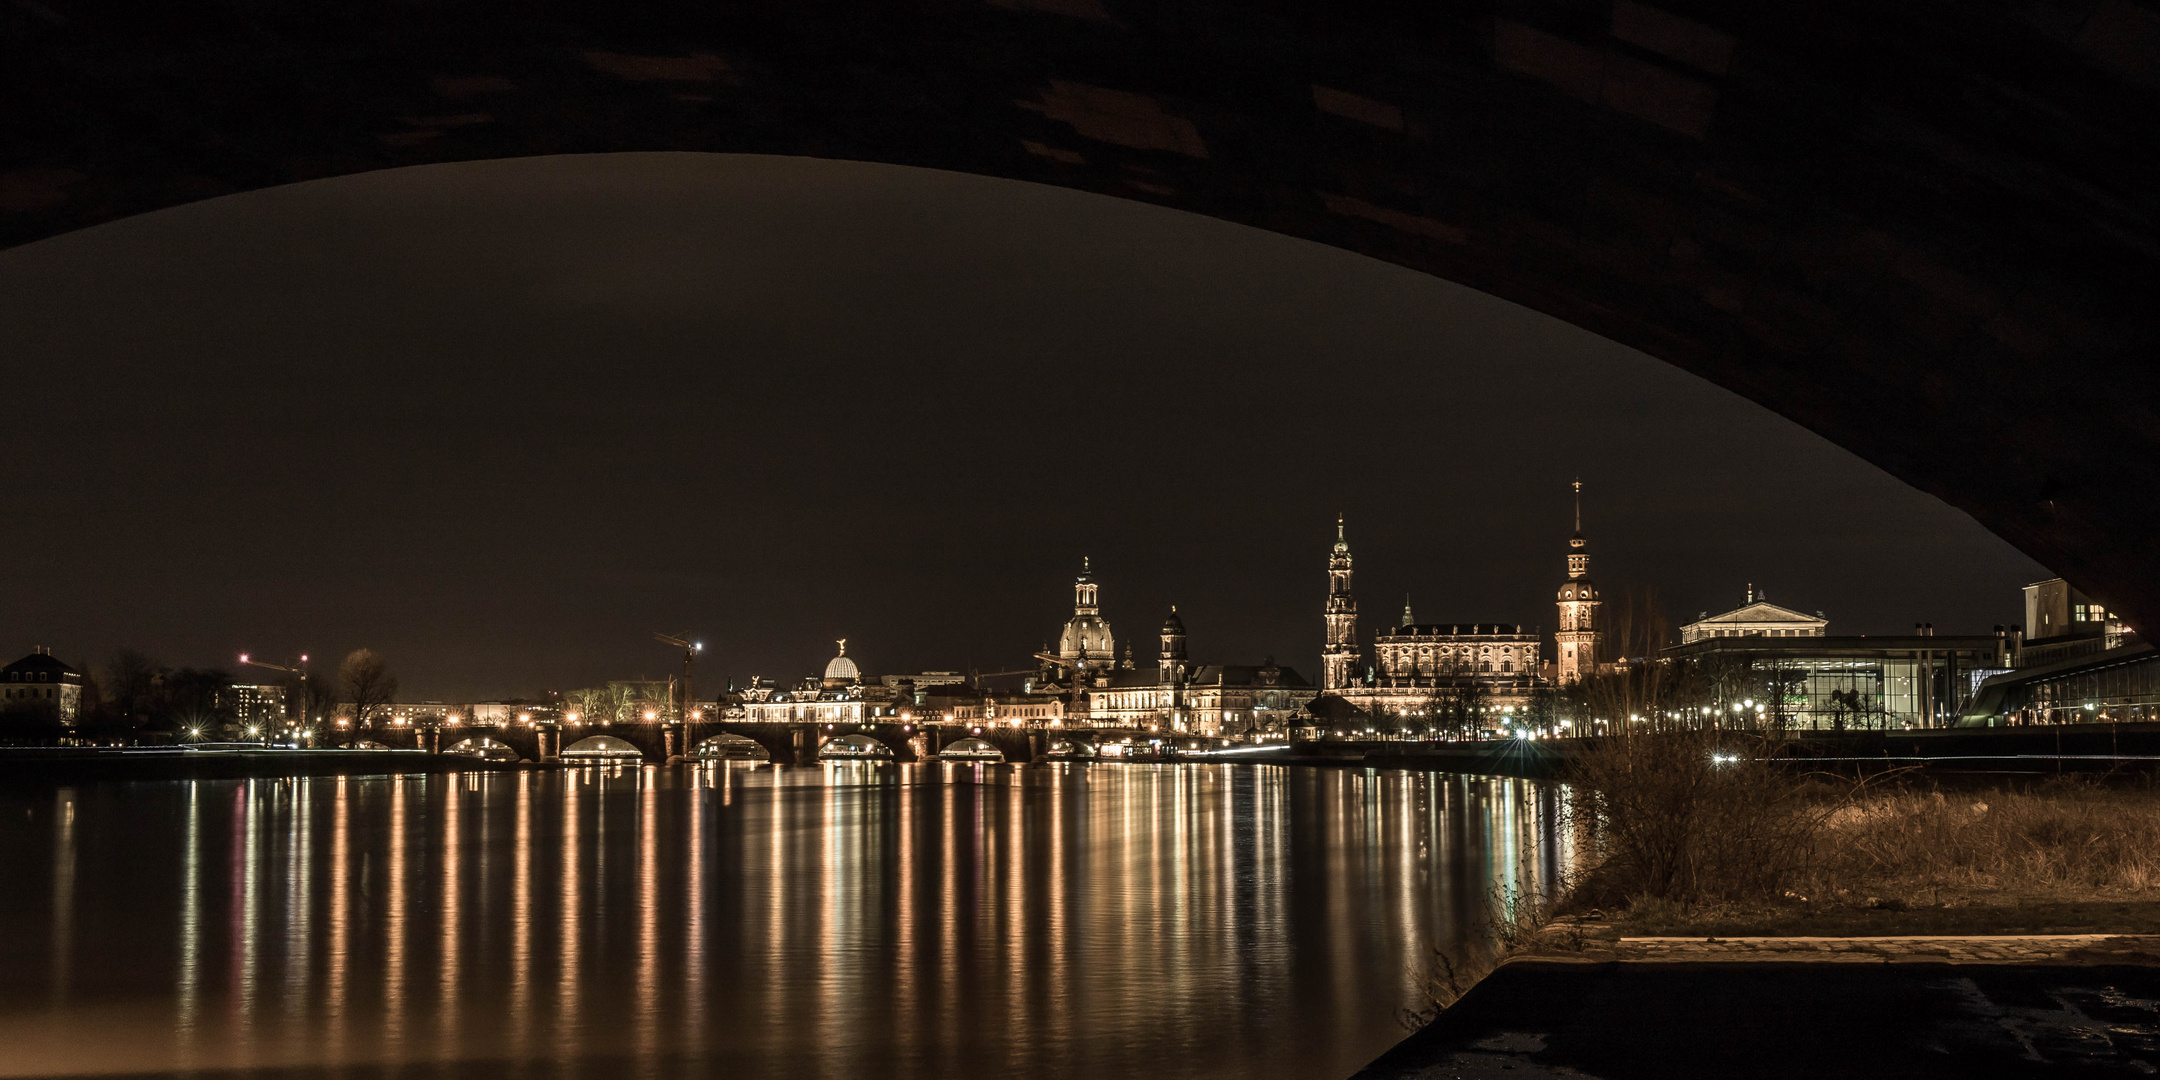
(367, 684)
(1641, 690)
(133, 683)
(1784, 690)
(1459, 706)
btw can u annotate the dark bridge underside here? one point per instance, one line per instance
(1922, 229)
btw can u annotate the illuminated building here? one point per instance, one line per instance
(1415, 662)
(256, 706)
(1339, 659)
(1175, 696)
(839, 696)
(40, 683)
(1755, 617)
(1581, 634)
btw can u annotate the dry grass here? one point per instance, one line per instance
(2063, 856)
(1701, 829)
(2059, 841)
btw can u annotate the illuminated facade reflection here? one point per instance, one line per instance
(856, 918)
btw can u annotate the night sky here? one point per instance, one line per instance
(502, 421)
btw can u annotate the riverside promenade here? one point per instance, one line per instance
(1939, 751)
(1962, 1007)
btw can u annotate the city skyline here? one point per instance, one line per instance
(444, 413)
(1136, 630)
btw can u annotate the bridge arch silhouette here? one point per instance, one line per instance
(1924, 231)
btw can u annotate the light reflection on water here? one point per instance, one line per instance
(853, 919)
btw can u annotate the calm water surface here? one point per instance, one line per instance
(847, 920)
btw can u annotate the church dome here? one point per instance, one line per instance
(840, 670)
(1087, 635)
(1173, 624)
(1578, 589)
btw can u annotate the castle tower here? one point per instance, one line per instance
(1173, 648)
(1339, 660)
(1580, 637)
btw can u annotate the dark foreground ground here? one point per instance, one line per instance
(1620, 1021)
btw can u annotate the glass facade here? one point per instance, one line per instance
(1846, 684)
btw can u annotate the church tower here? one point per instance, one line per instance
(1339, 661)
(1173, 649)
(1580, 636)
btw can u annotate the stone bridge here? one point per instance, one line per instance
(784, 743)
(1925, 230)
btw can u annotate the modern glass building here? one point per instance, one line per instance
(2116, 685)
(1848, 683)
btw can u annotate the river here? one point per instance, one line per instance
(847, 920)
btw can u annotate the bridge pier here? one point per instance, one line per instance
(672, 738)
(549, 737)
(429, 739)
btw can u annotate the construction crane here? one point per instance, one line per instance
(298, 670)
(690, 649)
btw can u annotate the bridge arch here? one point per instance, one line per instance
(971, 749)
(1072, 748)
(484, 748)
(728, 746)
(1868, 218)
(854, 746)
(602, 750)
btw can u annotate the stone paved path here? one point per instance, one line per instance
(1991, 949)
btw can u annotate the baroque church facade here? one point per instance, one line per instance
(1174, 696)
(1413, 664)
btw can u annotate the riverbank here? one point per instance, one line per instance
(2070, 855)
(1948, 752)
(1730, 864)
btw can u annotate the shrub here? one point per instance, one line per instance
(1691, 817)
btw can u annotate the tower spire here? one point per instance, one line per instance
(1338, 661)
(1407, 618)
(1580, 637)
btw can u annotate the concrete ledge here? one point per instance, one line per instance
(1952, 949)
(1780, 1018)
